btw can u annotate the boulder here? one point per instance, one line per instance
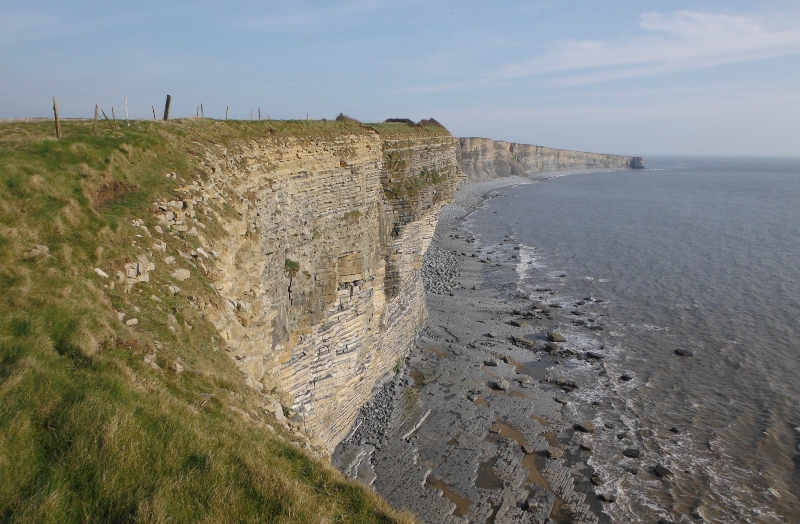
(554, 453)
(632, 453)
(555, 337)
(501, 384)
(681, 352)
(181, 274)
(584, 427)
(662, 471)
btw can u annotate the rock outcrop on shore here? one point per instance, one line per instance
(484, 159)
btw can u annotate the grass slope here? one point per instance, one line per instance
(89, 431)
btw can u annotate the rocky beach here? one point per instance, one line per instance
(478, 424)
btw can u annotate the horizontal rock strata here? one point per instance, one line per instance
(320, 266)
(484, 159)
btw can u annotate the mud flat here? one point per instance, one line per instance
(476, 425)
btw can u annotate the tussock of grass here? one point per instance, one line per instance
(89, 431)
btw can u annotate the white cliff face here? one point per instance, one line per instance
(485, 159)
(320, 262)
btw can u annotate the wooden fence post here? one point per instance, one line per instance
(166, 108)
(259, 113)
(94, 124)
(55, 112)
(154, 112)
(202, 113)
(114, 117)
(107, 120)
(226, 112)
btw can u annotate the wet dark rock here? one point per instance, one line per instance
(609, 425)
(586, 446)
(560, 400)
(594, 355)
(632, 453)
(514, 323)
(675, 430)
(575, 312)
(683, 352)
(522, 343)
(584, 427)
(597, 481)
(621, 436)
(490, 363)
(553, 348)
(579, 322)
(565, 384)
(607, 497)
(555, 337)
(663, 520)
(625, 377)
(662, 471)
(632, 471)
(596, 328)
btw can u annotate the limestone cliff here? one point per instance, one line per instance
(484, 159)
(320, 266)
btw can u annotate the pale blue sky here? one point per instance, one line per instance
(631, 77)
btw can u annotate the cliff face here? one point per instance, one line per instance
(320, 266)
(484, 159)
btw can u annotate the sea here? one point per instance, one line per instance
(694, 254)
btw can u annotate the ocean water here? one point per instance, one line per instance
(700, 254)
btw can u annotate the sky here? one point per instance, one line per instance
(630, 77)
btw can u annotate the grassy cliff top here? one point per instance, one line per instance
(400, 130)
(150, 422)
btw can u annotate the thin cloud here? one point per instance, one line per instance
(304, 16)
(679, 41)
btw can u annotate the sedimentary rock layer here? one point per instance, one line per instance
(320, 268)
(484, 159)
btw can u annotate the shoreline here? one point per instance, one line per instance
(472, 426)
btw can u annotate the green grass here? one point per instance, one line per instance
(89, 431)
